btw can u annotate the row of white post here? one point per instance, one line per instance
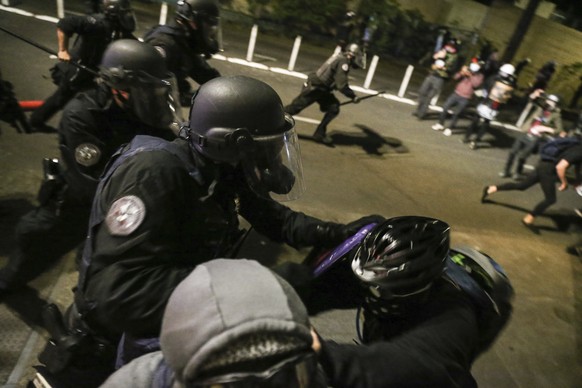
(294, 51)
(295, 54)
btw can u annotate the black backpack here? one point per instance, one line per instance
(552, 150)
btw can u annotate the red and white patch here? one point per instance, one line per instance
(125, 215)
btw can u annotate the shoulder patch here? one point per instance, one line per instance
(87, 154)
(345, 67)
(125, 215)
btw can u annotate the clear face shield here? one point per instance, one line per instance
(154, 101)
(127, 20)
(273, 168)
(212, 34)
(294, 372)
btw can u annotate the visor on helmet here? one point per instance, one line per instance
(152, 100)
(358, 59)
(273, 168)
(127, 20)
(212, 34)
(294, 372)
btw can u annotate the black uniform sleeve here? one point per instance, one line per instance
(200, 71)
(78, 128)
(341, 78)
(131, 277)
(435, 353)
(281, 224)
(74, 24)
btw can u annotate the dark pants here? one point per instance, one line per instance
(44, 235)
(478, 127)
(454, 100)
(545, 175)
(71, 80)
(328, 104)
(431, 86)
(522, 148)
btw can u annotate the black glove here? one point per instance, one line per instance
(352, 228)
(335, 234)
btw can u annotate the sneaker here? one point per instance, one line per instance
(438, 127)
(447, 132)
(578, 212)
(504, 174)
(322, 139)
(473, 145)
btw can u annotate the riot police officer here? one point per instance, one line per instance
(94, 32)
(162, 207)
(332, 75)
(134, 98)
(187, 41)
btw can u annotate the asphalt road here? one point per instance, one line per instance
(384, 161)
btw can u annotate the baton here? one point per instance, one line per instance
(362, 98)
(47, 50)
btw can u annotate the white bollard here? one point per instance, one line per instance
(371, 72)
(163, 13)
(294, 53)
(252, 41)
(405, 81)
(60, 9)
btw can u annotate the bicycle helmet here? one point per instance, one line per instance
(399, 260)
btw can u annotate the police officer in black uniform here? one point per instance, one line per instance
(134, 98)
(187, 42)
(332, 75)
(422, 319)
(162, 207)
(94, 32)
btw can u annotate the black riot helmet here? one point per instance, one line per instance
(354, 53)
(201, 20)
(121, 13)
(139, 77)
(240, 121)
(398, 261)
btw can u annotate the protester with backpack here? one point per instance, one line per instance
(426, 311)
(556, 156)
(545, 119)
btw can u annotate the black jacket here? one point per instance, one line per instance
(94, 33)
(190, 214)
(432, 346)
(182, 58)
(92, 128)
